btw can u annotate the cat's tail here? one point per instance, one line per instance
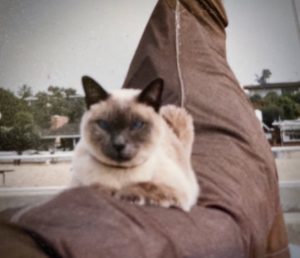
(181, 122)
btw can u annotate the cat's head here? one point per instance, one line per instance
(123, 127)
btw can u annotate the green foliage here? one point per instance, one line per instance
(40, 110)
(9, 106)
(271, 113)
(57, 101)
(256, 101)
(22, 136)
(70, 92)
(5, 139)
(22, 120)
(288, 107)
(25, 92)
(296, 97)
(274, 107)
(271, 98)
(255, 98)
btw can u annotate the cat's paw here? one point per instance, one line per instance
(149, 194)
(180, 121)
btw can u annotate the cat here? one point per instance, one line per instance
(136, 147)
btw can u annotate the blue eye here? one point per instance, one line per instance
(136, 125)
(103, 124)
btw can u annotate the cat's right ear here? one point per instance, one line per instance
(94, 93)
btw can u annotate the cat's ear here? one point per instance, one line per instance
(152, 94)
(93, 91)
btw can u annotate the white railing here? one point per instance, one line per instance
(280, 152)
(286, 149)
(44, 157)
(38, 190)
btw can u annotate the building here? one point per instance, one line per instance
(279, 88)
(61, 134)
(65, 137)
(288, 132)
(58, 121)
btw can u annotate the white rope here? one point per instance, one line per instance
(177, 33)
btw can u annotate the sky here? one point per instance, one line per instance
(55, 42)
(263, 34)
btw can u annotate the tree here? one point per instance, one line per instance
(65, 102)
(271, 98)
(40, 109)
(75, 109)
(9, 106)
(56, 91)
(57, 101)
(265, 75)
(23, 119)
(22, 136)
(5, 141)
(271, 113)
(24, 92)
(296, 97)
(257, 101)
(288, 107)
(70, 92)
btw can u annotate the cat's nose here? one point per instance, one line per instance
(119, 146)
(119, 143)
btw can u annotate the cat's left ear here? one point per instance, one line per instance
(152, 94)
(94, 93)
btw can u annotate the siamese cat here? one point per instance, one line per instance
(136, 148)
